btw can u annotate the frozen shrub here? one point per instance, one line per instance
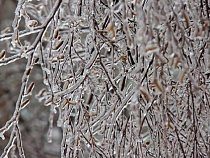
(127, 78)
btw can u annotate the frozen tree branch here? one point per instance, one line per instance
(128, 78)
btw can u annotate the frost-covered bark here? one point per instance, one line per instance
(126, 78)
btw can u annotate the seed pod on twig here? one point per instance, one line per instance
(41, 92)
(30, 88)
(122, 85)
(146, 95)
(6, 30)
(58, 45)
(157, 85)
(15, 39)
(31, 24)
(2, 54)
(64, 103)
(56, 33)
(150, 48)
(48, 101)
(124, 58)
(28, 71)
(186, 19)
(111, 29)
(25, 103)
(66, 84)
(36, 60)
(72, 102)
